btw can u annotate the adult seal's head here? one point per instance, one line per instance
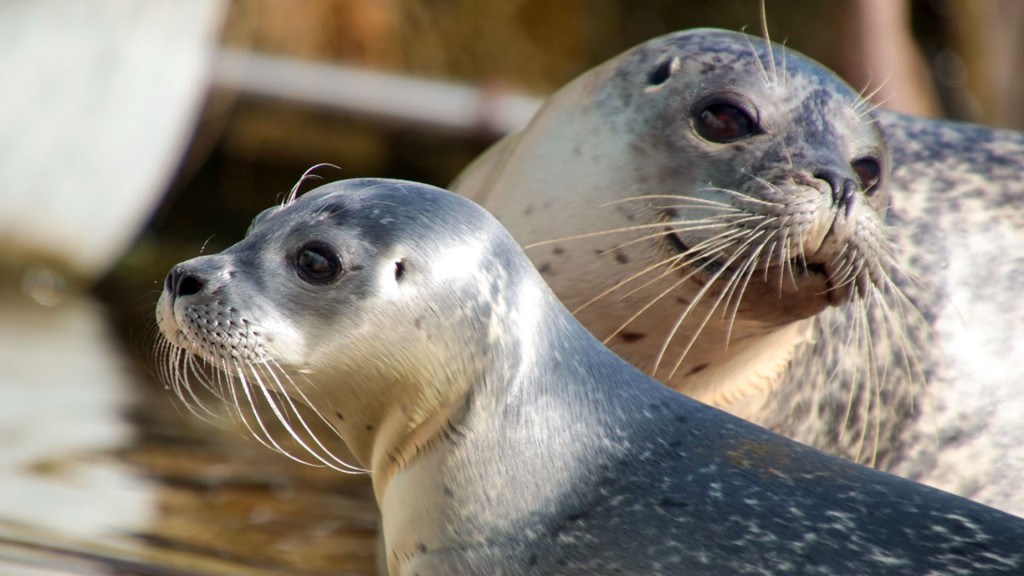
(502, 437)
(694, 201)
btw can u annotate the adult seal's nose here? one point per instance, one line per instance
(844, 188)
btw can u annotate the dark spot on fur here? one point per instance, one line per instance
(576, 516)
(447, 491)
(399, 270)
(683, 301)
(630, 337)
(669, 502)
(621, 257)
(369, 427)
(697, 368)
(528, 210)
(544, 268)
(558, 250)
(421, 547)
(338, 414)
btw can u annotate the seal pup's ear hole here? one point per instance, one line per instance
(662, 72)
(399, 270)
(869, 172)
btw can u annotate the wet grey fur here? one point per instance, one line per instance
(649, 481)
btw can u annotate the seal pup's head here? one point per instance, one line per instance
(407, 320)
(695, 199)
(389, 296)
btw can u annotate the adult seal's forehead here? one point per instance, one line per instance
(710, 61)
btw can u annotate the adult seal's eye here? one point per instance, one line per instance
(317, 263)
(870, 174)
(723, 122)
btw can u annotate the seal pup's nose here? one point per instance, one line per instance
(183, 281)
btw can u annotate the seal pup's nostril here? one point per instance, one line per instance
(182, 282)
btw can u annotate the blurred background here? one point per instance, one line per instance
(134, 135)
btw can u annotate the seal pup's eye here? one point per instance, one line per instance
(317, 263)
(869, 173)
(723, 122)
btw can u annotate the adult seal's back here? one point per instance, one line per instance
(502, 437)
(704, 202)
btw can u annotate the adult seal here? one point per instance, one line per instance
(502, 437)
(733, 219)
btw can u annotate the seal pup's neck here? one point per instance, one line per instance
(434, 477)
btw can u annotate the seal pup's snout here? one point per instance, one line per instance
(196, 277)
(182, 281)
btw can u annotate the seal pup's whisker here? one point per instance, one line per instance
(308, 174)
(279, 398)
(264, 434)
(284, 394)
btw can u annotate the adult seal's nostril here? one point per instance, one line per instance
(844, 188)
(846, 195)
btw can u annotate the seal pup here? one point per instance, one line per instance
(661, 138)
(502, 437)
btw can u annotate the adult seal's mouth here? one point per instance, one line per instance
(811, 277)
